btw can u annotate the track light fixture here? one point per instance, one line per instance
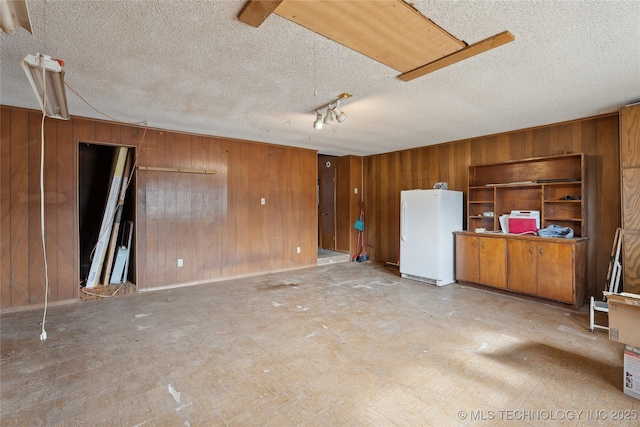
(333, 108)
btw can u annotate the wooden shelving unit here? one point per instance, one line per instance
(547, 268)
(554, 186)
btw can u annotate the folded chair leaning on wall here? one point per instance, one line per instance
(611, 286)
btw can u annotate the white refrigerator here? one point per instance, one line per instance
(428, 219)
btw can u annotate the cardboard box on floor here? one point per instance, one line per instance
(624, 318)
(631, 385)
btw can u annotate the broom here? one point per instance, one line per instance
(363, 255)
(355, 256)
(359, 225)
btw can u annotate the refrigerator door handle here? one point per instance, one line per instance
(404, 222)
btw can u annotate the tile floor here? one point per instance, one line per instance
(346, 344)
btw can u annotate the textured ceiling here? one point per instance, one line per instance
(192, 66)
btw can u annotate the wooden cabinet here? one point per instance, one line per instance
(549, 268)
(553, 185)
(630, 175)
(555, 271)
(481, 260)
(542, 268)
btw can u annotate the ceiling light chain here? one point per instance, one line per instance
(333, 109)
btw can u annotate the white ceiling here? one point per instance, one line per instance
(192, 66)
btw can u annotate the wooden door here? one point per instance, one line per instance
(326, 208)
(555, 271)
(467, 261)
(493, 262)
(522, 266)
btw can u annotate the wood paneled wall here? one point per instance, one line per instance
(22, 280)
(215, 223)
(348, 201)
(385, 175)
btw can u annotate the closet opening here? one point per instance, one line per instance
(106, 220)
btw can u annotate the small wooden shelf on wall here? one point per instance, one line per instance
(158, 169)
(552, 185)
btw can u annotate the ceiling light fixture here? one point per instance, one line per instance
(333, 108)
(14, 13)
(328, 118)
(318, 123)
(47, 80)
(340, 116)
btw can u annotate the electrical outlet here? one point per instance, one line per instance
(355, 190)
(298, 249)
(180, 262)
(263, 201)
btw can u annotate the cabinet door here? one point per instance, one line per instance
(630, 136)
(493, 262)
(631, 263)
(522, 266)
(555, 271)
(467, 261)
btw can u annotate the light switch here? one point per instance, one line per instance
(263, 201)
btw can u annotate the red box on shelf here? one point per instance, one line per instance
(524, 222)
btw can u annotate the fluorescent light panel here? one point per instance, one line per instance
(14, 13)
(54, 102)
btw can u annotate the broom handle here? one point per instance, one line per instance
(362, 213)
